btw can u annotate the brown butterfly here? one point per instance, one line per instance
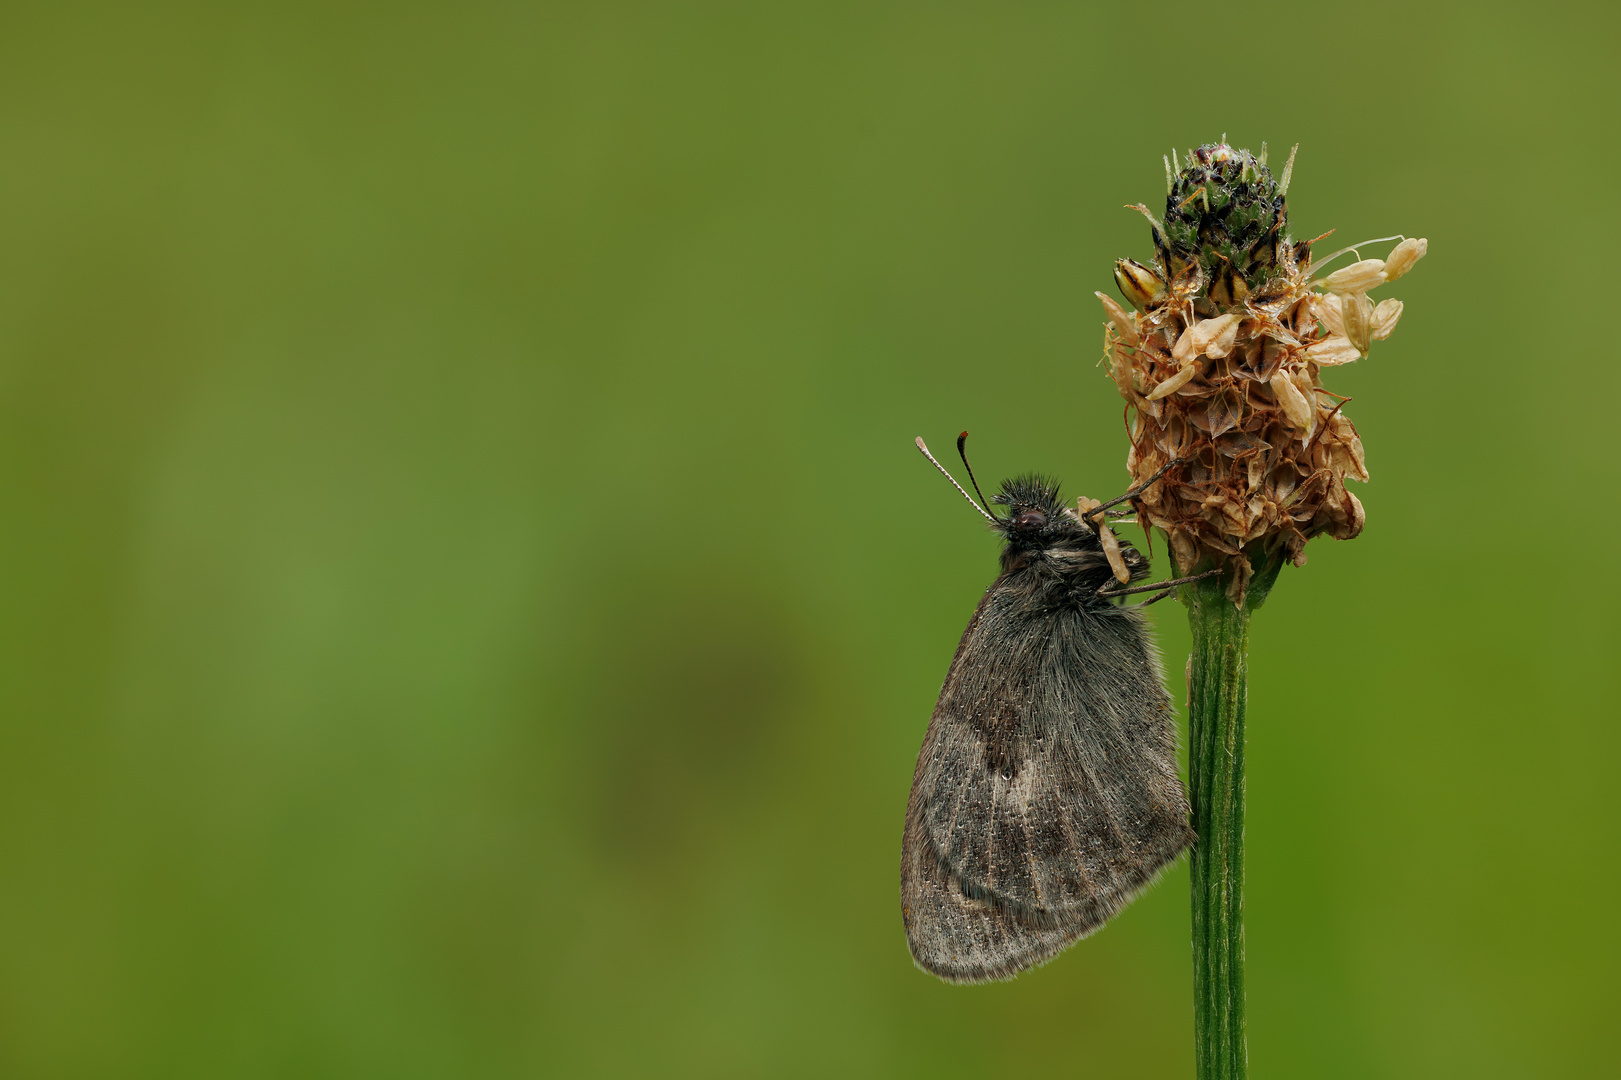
(1046, 795)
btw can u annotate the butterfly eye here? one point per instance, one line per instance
(1030, 521)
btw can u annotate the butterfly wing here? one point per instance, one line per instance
(1046, 794)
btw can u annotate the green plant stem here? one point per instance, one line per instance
(1216, 693)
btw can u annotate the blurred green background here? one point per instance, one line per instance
(471, 603)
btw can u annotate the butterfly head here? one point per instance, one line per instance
(1036, 514)
(1040, 531)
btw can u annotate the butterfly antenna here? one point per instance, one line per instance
(920, 445)
(962, 452)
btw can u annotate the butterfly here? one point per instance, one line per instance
(1046, 795)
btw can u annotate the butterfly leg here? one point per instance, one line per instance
(1153, 586)
(1140, 488)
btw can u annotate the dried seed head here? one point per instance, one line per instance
(1221, 366)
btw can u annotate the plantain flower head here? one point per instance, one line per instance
(1220, 359)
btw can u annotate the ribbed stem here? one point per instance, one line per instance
(1216, 777)
(1217, 692)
